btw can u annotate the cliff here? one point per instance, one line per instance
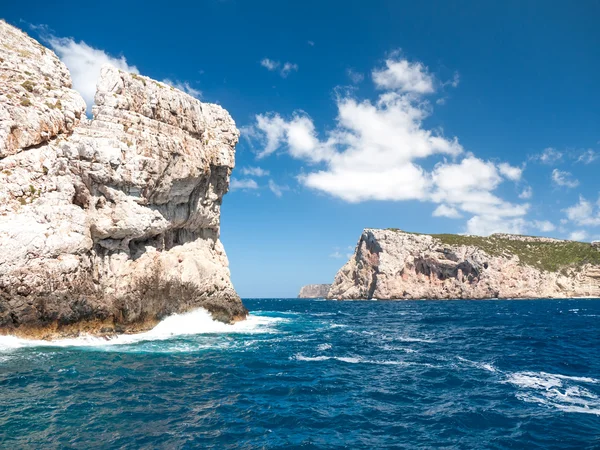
(314, 291)
(392, 264)
(111, 224)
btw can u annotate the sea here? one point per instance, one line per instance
(317, 374)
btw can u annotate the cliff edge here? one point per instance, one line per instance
(107, 225)
(392, 264)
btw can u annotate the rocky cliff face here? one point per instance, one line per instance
(111, 224)
(391, 264)
(314, 291)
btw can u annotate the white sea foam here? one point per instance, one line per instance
(557, 391)
(394, 348)
(484, 366)
(358, 360)
(414, 339)
(195, 322)
(346, 359)
(322, 347)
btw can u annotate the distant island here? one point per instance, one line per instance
(394, 264)
(314, 291)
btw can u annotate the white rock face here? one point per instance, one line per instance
(111, 224)
(391, 264)
(314, 291)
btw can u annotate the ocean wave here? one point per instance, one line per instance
(358, 360)
(178, 325)
(414, 339)
(484, 366)
(557, 391)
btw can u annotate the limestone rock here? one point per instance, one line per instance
(314, 291)
(111, 224)
(391, 264)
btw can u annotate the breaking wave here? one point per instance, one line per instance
(178, 325)
(566, 393)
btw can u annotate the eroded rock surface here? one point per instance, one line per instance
(314, 291)
(391, 264)
(111, 224)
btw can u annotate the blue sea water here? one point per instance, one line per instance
(318, 374)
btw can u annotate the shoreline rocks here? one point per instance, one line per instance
(107, 225)
(392, 264)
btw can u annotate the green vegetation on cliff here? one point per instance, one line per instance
(549, 255)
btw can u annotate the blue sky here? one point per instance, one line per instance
(433, 117)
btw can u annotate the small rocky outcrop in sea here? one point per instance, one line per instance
(392, 264)
(111, 224)
(314, 291)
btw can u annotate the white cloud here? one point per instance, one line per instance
(562, 178)
(404, 76)
(486, 225)
(526, 193)
(246, 183)
(254, 171)
(510, 172)
(579, 235)
(446, 211)
(455, 81)
(469, 185)
(355, 77)
(84, 63)
(373, 153)
(587, 157)
(284, 69)
(277, 189)
(548, 156)
(544, 226)
(583, 213)
(184, 86)
(287, 68)
(270, 64)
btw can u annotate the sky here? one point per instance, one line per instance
(434, 116)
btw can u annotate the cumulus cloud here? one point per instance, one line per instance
(510, 172)
(284, 69)
(375, 149)
(404, 76)
(246, 183)
(562, 178)
(254, 171)
(184, 86)
(584, 213)
(579, 235)
(84, 62)
(446, 211)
